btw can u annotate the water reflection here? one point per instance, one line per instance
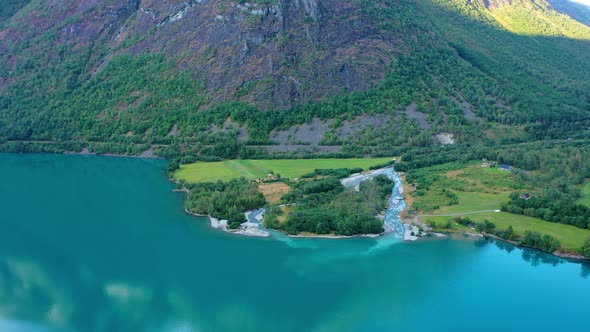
(80, 297)
(7, 325)
(503, 245)
(533, 256)
(32, 293)
(536, 257)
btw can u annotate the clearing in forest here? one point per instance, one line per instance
(273, 191)
(585, 199)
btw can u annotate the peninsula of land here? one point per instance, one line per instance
(342, 198)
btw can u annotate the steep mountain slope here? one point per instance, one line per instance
(9, 8)
(269, 53)
(356, 76)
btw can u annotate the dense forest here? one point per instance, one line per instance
(224, 200)
(324, 206)
(321, 204)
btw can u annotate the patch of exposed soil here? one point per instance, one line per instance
(299, 148)
(273, 191)
(351, 127)
(174, 130)
(229, 124)
(420, 117)
(149, 153)
(465, 106)
(307, 133)
(445, 138)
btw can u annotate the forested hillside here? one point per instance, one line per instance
(221, 78)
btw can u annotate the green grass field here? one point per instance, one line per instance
(476, 187)
(585, 200)
(570, 237)
(253, 169)
(486, 189)
(474, 201)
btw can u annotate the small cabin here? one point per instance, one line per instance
(504, 167)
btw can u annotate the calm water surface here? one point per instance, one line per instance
(102, 244)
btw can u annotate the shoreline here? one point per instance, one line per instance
(249, 228)
(564, 255)
(148, 154)
(335, 237)
(246, 229)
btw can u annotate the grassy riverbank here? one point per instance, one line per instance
(253, 169)
(570, 237)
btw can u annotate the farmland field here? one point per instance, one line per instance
(253, 169)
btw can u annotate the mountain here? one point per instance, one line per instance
(575, 9)
(227, 78)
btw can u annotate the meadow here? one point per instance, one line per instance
(476, 188)
(254, 169)
(480, 189)
(570, 237)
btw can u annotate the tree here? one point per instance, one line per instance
(508, 233)
(488, 226)
(542, 242)
(586, 249)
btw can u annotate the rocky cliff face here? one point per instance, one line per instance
(219, 77)
(273, 53)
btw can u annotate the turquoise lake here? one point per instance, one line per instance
(102, 244)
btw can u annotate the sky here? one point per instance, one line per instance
(584, 2)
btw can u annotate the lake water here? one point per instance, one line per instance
(102, 244)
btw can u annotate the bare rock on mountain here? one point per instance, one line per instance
(269, 54)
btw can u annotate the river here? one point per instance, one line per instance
(102, 244)
(395, 204)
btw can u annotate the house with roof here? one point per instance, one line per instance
(488, 163)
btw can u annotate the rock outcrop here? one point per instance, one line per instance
(267, 53)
